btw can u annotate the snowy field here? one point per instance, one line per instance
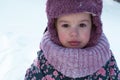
(22, 23)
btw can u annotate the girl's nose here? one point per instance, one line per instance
(74, 32)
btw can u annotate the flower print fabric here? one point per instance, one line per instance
(42, 70)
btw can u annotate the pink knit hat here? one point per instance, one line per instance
(56, 8)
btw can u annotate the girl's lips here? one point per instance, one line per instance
(74, 43)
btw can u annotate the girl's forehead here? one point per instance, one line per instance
(75, 14)
(75, 17)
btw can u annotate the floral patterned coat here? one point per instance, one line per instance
(42, 70)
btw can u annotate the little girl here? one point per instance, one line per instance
(74, 46)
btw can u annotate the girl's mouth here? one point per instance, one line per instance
(74, 43)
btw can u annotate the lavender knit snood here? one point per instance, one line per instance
(78, 62)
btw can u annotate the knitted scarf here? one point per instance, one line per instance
(76, 62)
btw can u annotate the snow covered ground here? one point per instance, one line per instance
(22, 23)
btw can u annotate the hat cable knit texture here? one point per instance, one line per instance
(57, 8)
(76, 62)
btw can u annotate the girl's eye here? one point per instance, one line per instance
(82, 25)
(65, 25)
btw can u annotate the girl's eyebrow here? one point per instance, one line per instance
(62, 21)
(84, 21)
(88, 21)
(65, 21)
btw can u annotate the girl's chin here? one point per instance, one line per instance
(73, 46)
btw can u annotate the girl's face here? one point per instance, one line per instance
(74, 30)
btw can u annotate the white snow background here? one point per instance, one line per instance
(22, 23)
